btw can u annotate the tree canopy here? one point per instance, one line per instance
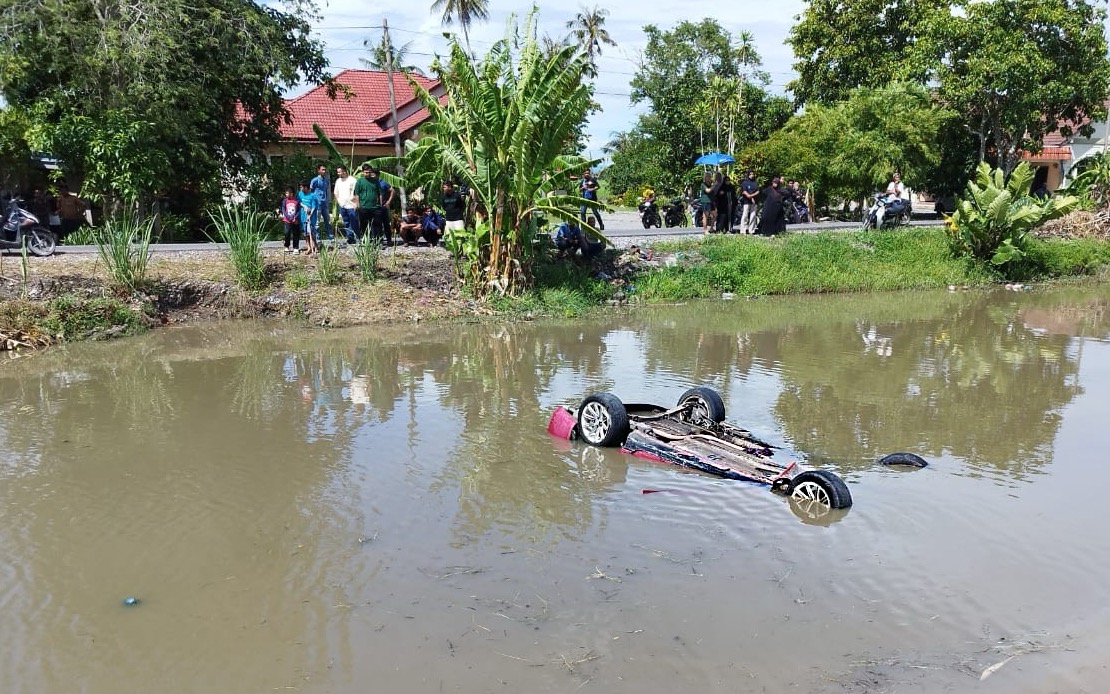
(137, 97)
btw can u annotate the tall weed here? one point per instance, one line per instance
(328, 269)
(123, 243)
(367, 251)
(243, 230)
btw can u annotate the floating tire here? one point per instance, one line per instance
(821, 487)
(603, 420)
(707, 407)
(903, 460)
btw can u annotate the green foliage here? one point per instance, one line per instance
(328, 269)
(15, 153)
(243, 230)
(705, 91)
(123, 244)
(844, 44)
(993, 219)
(886, 260)
(503, 129)
(156, 97)
(296, 279)
(264, 181)
(70, 318)
(367, 251)
(846, 149)
(1020, 69)
(1091, 182)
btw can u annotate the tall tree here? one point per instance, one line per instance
(1020, 69)
(383, 56)
(588, 29)
(464, 12)
(843, 44)
(144, 96)
(674, 75)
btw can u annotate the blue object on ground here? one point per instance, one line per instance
(130, 601)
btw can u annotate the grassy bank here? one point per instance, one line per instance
(917, 258)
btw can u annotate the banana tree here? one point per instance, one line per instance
(993, 219)
(501, 132)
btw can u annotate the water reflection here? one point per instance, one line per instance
(230, 471)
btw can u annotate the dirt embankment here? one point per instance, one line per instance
(414, 284)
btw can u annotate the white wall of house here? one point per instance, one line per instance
(1083, 147)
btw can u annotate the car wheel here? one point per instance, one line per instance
(40, 242)
(821, 487)
(602, 420)
(903, 460)
(707, 407)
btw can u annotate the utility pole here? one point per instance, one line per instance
(393, 108)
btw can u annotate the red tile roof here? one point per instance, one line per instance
(364, 116)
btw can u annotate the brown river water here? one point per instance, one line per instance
(381, 509)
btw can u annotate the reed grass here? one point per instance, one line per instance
(329, 270)
(367, 251)
(243, 230)
(123, 244)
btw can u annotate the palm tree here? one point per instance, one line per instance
(588, 29)
(379, 58)
(464, 12)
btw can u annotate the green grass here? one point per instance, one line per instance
(73, 318)
(810, 263)
(328, 268)
(367, 251)
(562, 288)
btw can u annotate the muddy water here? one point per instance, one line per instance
(381, 509)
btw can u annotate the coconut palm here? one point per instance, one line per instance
(464, 12)
(379, 58)
(588, 29)
(501, 132)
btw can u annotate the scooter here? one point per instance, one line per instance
(649, 214)
(20, 228)
(887, 212)
(674, 213)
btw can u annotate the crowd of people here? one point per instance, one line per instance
(363, 202)
(720, 206)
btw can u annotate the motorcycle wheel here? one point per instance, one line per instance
(645, 221)
(40, 241)
(658, 222)
(868, 222)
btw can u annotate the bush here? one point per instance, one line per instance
(367, 251)
(123, 243)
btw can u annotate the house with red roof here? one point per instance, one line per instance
(358, 120)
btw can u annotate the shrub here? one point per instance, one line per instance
(993, 219)
(367, 251)
(328, 269)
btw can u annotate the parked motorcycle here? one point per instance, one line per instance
(887, 212)
(649, 214)
(795, 210)
(21, 227)
(674, 213)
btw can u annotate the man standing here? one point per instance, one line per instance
(71, 210)
(374, 196)
(319, 188)
(344, 192)
(749, 194)
(587, 188)
(454, 207)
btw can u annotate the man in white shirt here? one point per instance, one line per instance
(344, 191)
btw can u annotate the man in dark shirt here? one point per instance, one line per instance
(454, 207)
(749, 194)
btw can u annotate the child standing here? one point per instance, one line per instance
(307, 200)
(289, 209)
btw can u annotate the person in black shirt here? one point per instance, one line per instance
(454, 207)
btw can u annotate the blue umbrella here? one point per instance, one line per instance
(714, 159)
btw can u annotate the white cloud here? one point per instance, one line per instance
(346, 23)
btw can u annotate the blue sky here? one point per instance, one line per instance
(346, 24)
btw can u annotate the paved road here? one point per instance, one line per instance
(622, 228)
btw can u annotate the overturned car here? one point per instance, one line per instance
(693, 434)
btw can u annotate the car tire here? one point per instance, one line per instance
(821, 486)
(708, 405)
(903, 460)
(603, 420)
